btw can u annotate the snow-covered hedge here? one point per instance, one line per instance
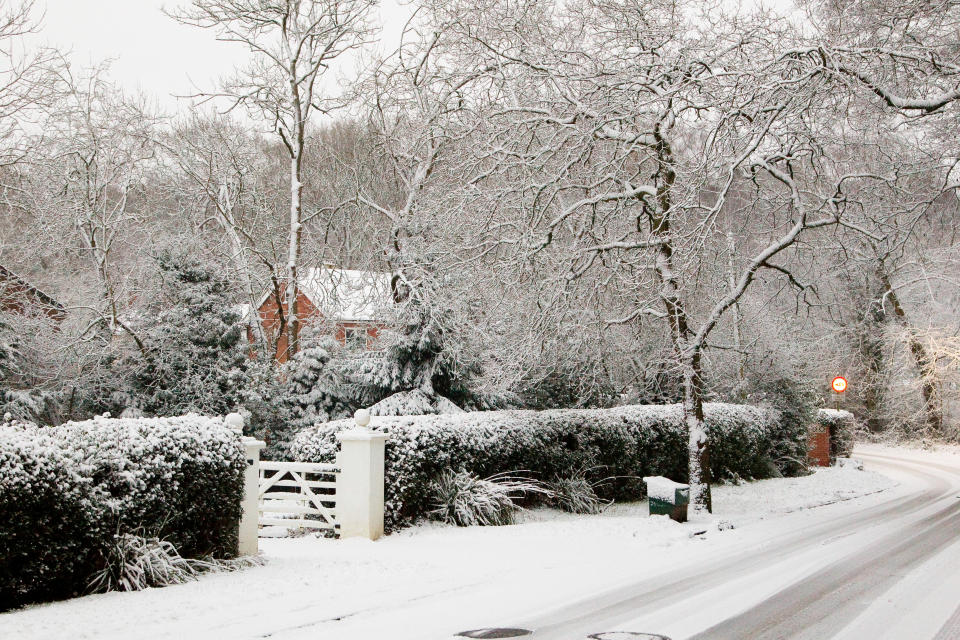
(66, 492)
(842, 425)
(625, 444)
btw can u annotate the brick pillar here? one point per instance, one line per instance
(818, 446)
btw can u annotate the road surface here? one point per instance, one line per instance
(888, 570)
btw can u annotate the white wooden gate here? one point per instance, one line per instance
(298, 495)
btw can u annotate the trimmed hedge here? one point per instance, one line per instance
(623, 444)
(66, 492)
(842, 426)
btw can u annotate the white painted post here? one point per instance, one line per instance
(249, 514)
(249, 528)
(359, 490)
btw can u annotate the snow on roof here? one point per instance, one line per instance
(346, 295)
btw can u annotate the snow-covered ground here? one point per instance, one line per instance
(321, 588)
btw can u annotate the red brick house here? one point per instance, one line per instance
(19, 296)
(349, 304)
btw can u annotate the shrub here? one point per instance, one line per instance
(625, 444)
(795, 402)
(465, 500)
(842, 425)
(51, 518)
(66, 493)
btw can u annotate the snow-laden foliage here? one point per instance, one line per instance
(133, 563)
(575, 493)
(843, 426)
(67, 492)
(623, 444)
(316, 389)
(22, 369)
(465, 500)
(413, 403)
(194, 356)
(422, 355)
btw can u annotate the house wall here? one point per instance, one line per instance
(269, 315)
(19, 297)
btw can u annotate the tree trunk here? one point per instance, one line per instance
(870, 344)
(929, 385)
(699, 449)
(227, 219)
(293, 256)
(688, 355)
(737, 323)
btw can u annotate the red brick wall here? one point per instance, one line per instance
(818, 446)
(270, 319)
(17, 297)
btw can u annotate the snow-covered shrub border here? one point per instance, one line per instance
(623, 444)
(67, 493)
(843, 425)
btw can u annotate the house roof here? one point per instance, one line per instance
(345, 295)
(6, 275)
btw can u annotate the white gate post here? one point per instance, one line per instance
(359, 509)
(249, 529)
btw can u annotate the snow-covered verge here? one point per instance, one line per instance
(322, 588)
(614, 448)
(68, 493)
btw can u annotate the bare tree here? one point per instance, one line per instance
(632, 134)
(292, 43)
(93, 163)
(26, 81)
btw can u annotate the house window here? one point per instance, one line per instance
(355, 337)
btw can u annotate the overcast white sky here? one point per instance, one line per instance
(150, 51)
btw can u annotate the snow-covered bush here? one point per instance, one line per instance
(25, 366)
(842, 426)
(624, 444)
(66, 492)
(51, 517)
(134, 563)
(795, 401)
(413, 403)
(465, 500)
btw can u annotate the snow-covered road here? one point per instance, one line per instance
(887, 570)
(858, 567)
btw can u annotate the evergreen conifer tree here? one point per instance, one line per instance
(195, 355)
(316, 389)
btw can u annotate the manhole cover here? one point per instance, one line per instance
(495, 633)
(627, 635)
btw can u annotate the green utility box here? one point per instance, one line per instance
(667, 498)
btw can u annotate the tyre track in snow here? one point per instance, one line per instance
(795, 607)
(822, 604)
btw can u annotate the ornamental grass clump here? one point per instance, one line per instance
(575, 493)
(135, 562)
(466, 500)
